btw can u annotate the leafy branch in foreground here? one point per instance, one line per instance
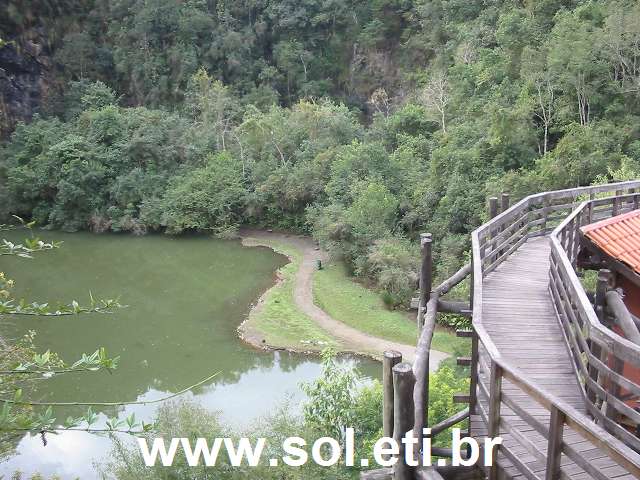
(11, 306)
(28, 421)
(25, 249)
(48, 364)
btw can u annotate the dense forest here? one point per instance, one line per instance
(363, 123)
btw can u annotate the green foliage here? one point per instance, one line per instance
(331, 397)
(393, 263)
(443, 384)
(209, 197)
(464, 100)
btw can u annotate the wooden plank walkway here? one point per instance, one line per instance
(520, 318)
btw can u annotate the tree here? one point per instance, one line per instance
(435, 96)
(77, 55)
(542, 87)
(573, 59)
(211, 197)
(213, 106)
(620, 39)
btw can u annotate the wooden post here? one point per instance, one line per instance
(604, 282)
(390, 359)
(554, 446)
(493, 212)
(426, 276)
(545, 213)
(493, 207)
(403, 416)
(493, 428)
(504, 206)
(616, 203)
(504, 202)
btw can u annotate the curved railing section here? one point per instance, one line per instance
(492, 243)
(598, 352)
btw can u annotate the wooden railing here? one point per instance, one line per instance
(492, 243)
(598, 352)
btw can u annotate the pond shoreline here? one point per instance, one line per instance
(348, 340)
(247, 332)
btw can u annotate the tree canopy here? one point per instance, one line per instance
(363, 123)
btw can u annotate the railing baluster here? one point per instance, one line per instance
(473, 394)
(554, 446)
(493, 429)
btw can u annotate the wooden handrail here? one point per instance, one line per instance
(490, 246)
(421, 362)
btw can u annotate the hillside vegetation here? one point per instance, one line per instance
(363, 123)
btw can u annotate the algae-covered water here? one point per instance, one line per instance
(186, 296)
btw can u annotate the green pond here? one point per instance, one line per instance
(186, 296)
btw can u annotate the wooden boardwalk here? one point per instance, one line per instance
(520, 318)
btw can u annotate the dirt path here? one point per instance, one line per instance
(352, 338)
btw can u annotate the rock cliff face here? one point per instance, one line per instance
(23, 71)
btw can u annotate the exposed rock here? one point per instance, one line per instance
(23, 69)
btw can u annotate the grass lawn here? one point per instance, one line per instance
(278, 320)
(349, 302)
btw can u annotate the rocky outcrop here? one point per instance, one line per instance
(23, 69)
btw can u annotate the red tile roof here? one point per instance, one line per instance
(619, 237)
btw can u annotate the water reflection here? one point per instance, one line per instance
(240, 400)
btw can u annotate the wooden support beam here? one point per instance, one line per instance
(453, 280)
(613, 388)
(463, 361)
(461, 398)
(623, 318)
(615, 209)
(493, 212)
(390, 359)
(464, 333)
(421, 367)
(449, 422)
(403, 415)
(426, 276)
(459, 308)
(445, 452)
